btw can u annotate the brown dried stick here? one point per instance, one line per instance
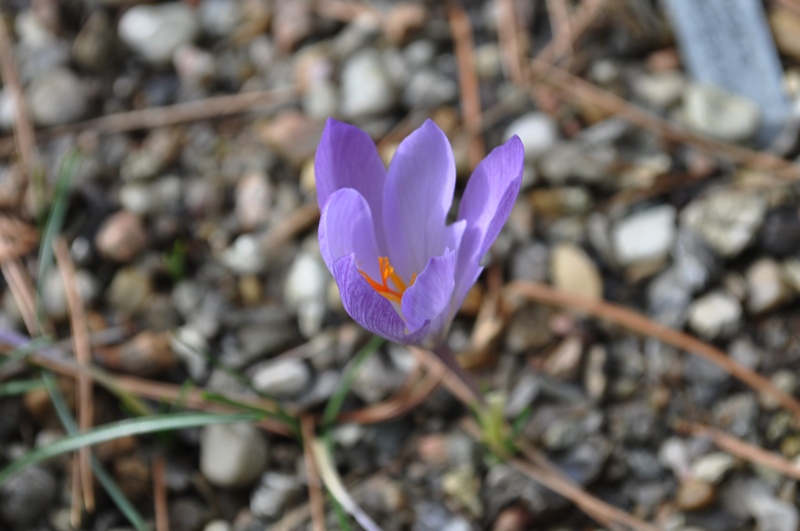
(561, 26)
(315, 498)
(80, 341)
(24, 136)
(576, 89)
(579, 22)
(160, 494)
(742, 449)
(639, 323)
(510, 40)
(205, 109)
(461, 30)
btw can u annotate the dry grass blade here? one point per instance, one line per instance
(151, 118)
(24, 136)
(160, 494)
(642, 325)
(744, 450)
(576, 89)
(461, 30)
(315, 497)
(333, 481)
(80, 341)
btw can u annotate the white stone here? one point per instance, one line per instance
(714, 315)
(573, 271)
(766, 288)
(6, 110)
(54, 297)
(157, 31)
(56, 97)
(727, 219)
(429, 88)
(232, 455)
(712, 467)
(659, 89)
(246, 256)
(537, 131)
(192, 348)
(645, 235)
(321, 100)
(280, 378)
(366, 88)
(217, 525)
(720, 114)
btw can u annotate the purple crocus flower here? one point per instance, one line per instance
(402, 271)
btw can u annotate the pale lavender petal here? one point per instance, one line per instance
(419, 191)
(345, 228)
(369, 309)
(486, 205)
(347, 158)
(431, 293)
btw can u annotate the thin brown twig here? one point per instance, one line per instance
(461, 29)
(315, 498)
(80, 341)
(16, 238)
(160, 494)
(403, 401)
(740, 448)
(455, 385)
(296, 221)
(76, 501)
(24, 136)
(561, 26)
(346, 11)
(579, 22)
(605, 513)
(19, 283)
(576, 89)
(642, 325)
(154, 117)
(511, 38)
(792, 5)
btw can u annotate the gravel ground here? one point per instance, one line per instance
(172, 150)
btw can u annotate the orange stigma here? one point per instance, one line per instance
(387, 273)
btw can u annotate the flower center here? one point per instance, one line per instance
(387, 274)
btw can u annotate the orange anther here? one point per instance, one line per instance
(387, 273)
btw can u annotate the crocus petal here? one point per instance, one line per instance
(369, 309)
(486, 205)
(347, 158)
(345, 228)
(431, 293)
(419, 191)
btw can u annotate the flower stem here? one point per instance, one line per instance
(447, 357)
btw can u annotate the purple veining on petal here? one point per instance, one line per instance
(369, 309)
(419, 192)
(399, 217)
(346, 227)
(347, 158)
(431, 293)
